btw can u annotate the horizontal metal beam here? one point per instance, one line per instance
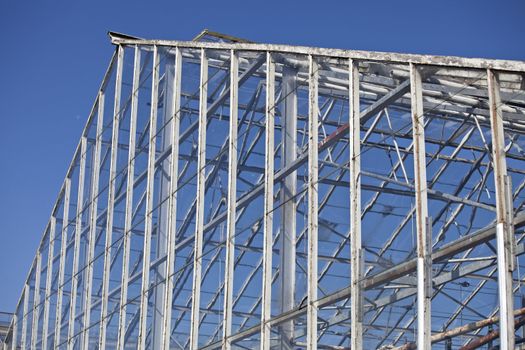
(450, 61)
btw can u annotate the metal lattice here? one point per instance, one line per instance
(227, 194)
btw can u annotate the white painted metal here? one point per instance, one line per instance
(288, 199)
(450, 61)
(129, 201)
(111, 201)
(49, 278)
(163, 185)
(23, 340)
(504, 228)
(356, 265)
(88, 273)
(313, 205)
(268, 204)
(61, 267)
(14, 334)
(424, 278)
(172, 203)
(199, 213)
(36, 300)
(76, 246)
(232, 201)
(148, 225)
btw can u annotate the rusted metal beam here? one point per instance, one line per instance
(469, 327)
(491, 336)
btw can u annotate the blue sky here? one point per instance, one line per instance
(54, 54)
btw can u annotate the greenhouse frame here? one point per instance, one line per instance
(236, 195)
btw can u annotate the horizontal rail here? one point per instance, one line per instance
(430, 60)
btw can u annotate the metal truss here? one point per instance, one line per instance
(227, 194)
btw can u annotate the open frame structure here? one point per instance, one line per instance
(226, 194)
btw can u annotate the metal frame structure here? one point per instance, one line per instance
(234, 195)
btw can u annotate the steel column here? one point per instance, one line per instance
(49, 278)
(36, 300)
(76, 246)
(199, 212)
(148, 224)
(424, 262)
(313, 124)
(61, 266)
(172, 202)
(23, 339)
(232, 201)
(163, 204)
(111, 201)
(356, 255)
(288, 200)
(504, 225)
(268, 204)
(14, 334)
(93, 223)
(128, 216)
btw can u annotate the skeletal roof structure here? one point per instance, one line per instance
(231, 194)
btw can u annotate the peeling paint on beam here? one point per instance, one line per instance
(429, 60)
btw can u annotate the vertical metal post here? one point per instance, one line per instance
(313, 124)
(49, 278)
(76, 246)
(172, 202)
(424, 278)
(288, 200)
(23, 339)
(93, 223)
(129, 201)
(356, 259)
(111, 201)
(504, 226)
(163, 204)
(61, 265)
(199, 213)
(232, 199)
(148, 225)
(36, 299)
(14, 340)
(268, 204)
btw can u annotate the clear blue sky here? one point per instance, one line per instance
(54, 54)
